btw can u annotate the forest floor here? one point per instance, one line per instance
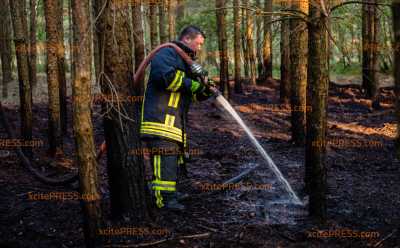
(363, 175)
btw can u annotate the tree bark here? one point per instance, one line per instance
(32, 43)
(180, 10)
(223, 48)
(82, 123)
(396, 30)
(250, 43)
(259, 37)
(138, 38)
(298, 72)
(172, 19)
(53, 43)
(61, 68)
(267, 44)
(21, 50)
(96, 7)
(244, 44)
(285, 58)
(5, 45)
(236, 40)
(129, 194)
(370, 48)
(162, 21)
(153, 25)
(318, 83)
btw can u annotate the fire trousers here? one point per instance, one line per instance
(166, 159)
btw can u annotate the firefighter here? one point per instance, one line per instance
(171, 88)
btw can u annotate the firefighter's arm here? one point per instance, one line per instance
(164, 70)
(204, 94)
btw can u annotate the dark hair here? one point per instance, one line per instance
(191, 31)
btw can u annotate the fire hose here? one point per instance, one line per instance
(137, 78)
(140, 73)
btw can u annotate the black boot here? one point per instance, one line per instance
(171, 203)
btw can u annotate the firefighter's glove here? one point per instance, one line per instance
(198, 70)
(197, 87)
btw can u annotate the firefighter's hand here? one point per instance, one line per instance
(197, 87)
(198, 70)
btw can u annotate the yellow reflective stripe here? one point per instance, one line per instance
(159, 166)
(169, 120)
(172, 99)
(178, 96)
(177, 81)
(164, 182)
(163, 127)
(158, 188)
(159, 199)
(157, 173)
(160, 133)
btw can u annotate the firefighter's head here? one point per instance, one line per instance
(192, 37)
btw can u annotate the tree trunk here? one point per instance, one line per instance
(82, 123)
(172, 19)
(129, 194)
(250, 43)
(138, 38)
(96, 8)
(153, 25)
(25, 91)
(267, 44)
(285, 59)
(61, 68)
(5, 45)
(70, 40)
(244, 44)
(259, 37)
(236, 40)
(370, 32)
(298, 73)
(223, 48)
(52, 13)
(318, 83)
(162, 21)
(396, 30)
(180, 10)
(32, 44)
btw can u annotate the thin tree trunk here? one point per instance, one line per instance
(129, 194)
(83, 127)
(172, 19)
(71, 40)
(138, 38)
(5, 45)
(396, 30)
(162, 21)
(370, 32)
(32, 44)
(96, 7)
(180, 11)
(25, 91)
(236, 40)
(318, 83)
(61, 69)
(267, 44)
(250, 43)
(298, 73)
(285, 59)
(259, 37)
(52, 14)
(153, 25)
(223, 48)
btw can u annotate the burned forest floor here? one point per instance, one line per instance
(363, 181)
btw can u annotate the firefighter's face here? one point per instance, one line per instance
(194, 43)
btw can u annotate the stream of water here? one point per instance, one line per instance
(264, 154)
